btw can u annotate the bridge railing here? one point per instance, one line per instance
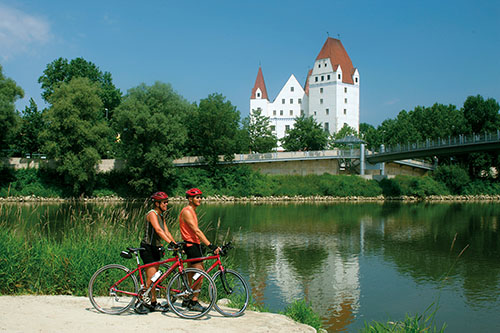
(460, 140)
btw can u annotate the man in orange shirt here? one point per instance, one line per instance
(193, 236)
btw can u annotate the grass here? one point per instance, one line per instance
(416, 323)
(302, 312)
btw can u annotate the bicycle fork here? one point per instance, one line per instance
(225, 285)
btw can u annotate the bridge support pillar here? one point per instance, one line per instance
(362, 164)
(382, 164)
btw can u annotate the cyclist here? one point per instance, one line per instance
(156, 230)
(193, 236)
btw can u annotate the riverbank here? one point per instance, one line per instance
(277, 199)
(76, 314)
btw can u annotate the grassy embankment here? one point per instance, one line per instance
(243, 182)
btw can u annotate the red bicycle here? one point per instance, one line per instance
(232, 290)
(114, 288)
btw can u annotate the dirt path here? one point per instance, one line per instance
(76, 314)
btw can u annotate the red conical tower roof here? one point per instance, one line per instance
(334, 50)
(259, 83)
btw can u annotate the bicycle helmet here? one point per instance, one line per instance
(192, 192)
(159, 196)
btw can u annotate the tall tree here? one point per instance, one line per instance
(481, 115)
(306, 134)
(76, 133)
(32, 124)
(9, 93)
(345, 131)
(214, 130)
(151, 123)
(261, 137)
(60, 70)
(370, 135)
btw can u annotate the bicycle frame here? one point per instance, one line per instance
(217, 263)
(177, 264)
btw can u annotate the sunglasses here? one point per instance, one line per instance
(198, 197)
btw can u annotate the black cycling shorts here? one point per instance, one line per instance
(151, 254)
(194, 251)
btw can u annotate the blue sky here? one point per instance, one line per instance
(408, 53)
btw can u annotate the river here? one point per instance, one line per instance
(358, 262)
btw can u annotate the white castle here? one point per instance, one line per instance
(330, 94)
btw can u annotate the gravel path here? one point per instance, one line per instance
(76, 314)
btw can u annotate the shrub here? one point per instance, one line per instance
(412, 186)
(453, 176)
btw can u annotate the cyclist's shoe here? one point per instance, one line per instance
(140, 308)
(185, 303)
(196, 306)
(159, 308)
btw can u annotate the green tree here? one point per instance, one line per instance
(345, 131)
(9, 93)
(151, 121)
(60, 70)
(481, 115)
(32, 124)
(438, 121)
(214, 130)
(306, 134)
(76, 133)
(261, 138)
(370, 135)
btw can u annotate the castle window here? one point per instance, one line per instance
(258, 94)
(283, 101)
(321, 101)
(300, 100)
(325, 64)
(316, 79)
(287, 128)
(356, 80)
(320, 90)
(281, 112)
(274, 112)
(291, 112)
(345, 100)
(314, 112)
(319, 65)
(291, 100)
(328, 77)
(345, 90)
(327, 111)
(322, 78)
(291, 89)
(273, 128)
(339, 76)
(301, 112)
(345, 111)
(327, 127)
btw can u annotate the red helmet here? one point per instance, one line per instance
(192, 192)
(159, 196)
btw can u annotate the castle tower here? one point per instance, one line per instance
(334, 88)
(259, 99)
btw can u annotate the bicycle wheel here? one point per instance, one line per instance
(178, 293)
(109, 296)
(232, 293)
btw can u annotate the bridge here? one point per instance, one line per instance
(442, 147)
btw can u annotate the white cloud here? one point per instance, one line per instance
(20, 32)
(392, 101)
